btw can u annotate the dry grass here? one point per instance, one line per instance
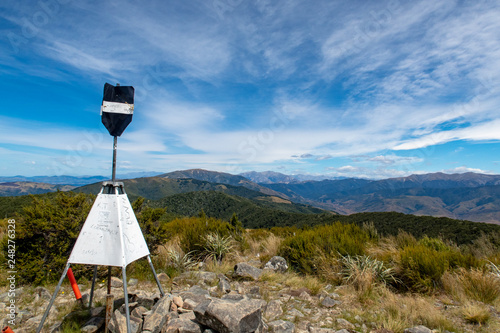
(476, 313)
(292, 280)
(329, 268)
(475, 284)
(226, 266)
(403, 311)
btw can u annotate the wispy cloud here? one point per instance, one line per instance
(261, 82)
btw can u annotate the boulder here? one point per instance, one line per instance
(179, 325)
(277, 264)
(132, 282)
(116, 282)
(138, 312)
(154, 323)
(418, 329)
(118, 324)
(93, 325)
(162, 307)
(178, 301)
(224, 285)
(196, 294)
(146, 302)
(246, 271)
(43, 293)
(281, 326)
(328, 302)
(345, 324)
(273, 310)
(227, 316)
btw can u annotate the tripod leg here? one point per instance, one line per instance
(39, 329)
(156, 277)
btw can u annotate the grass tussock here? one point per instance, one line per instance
(475, 284)
(403, 311)
(476, 313)
(293, 280)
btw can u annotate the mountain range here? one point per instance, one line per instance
(467, 196)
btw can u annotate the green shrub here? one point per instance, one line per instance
(304, 248)
(152, 226)
(421, 267)
(192, 232)
(45, 234)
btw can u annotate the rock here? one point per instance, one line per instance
(305, 296)
(132, 282)
(207, 277)
(138, 312)
(343, 331)
(163, 277)
(177, 300)
(418, 329)
(329, 302)
(146, 302)
(254, 290)
(196, 294)
(43, 293)
(234, 297)
(32, 322)
(182, 326)
(116, 282)
(273, 310)
(154, 323)
(162, 307)
(277, 264)
(114, 323)
(345, 324)
(227, 316)
(96, 312)
(244, 270)
(189, 304)
(187, 315)
(321, 330)
(295, 313)
(57, 327)
(224, 285)
(281, 326)
(93, 325)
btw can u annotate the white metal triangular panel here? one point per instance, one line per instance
(111, 235)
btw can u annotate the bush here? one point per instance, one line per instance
(423, 263)
(304, 248)
(45, 234)
(192, 232)
(421, 268)
(152, 226)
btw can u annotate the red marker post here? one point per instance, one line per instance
(74, 285)
(7, 329)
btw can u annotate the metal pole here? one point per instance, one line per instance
(125, 292)
(39, 329)
(115, 144)
(156, 277)
(93, 285)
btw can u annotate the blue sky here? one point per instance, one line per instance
(371, 89)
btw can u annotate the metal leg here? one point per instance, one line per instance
(39, 329)
(156, 277)
(93, 285)
(125, 292)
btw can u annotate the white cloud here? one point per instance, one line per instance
(464, 169)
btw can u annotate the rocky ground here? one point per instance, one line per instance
(201, 301)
